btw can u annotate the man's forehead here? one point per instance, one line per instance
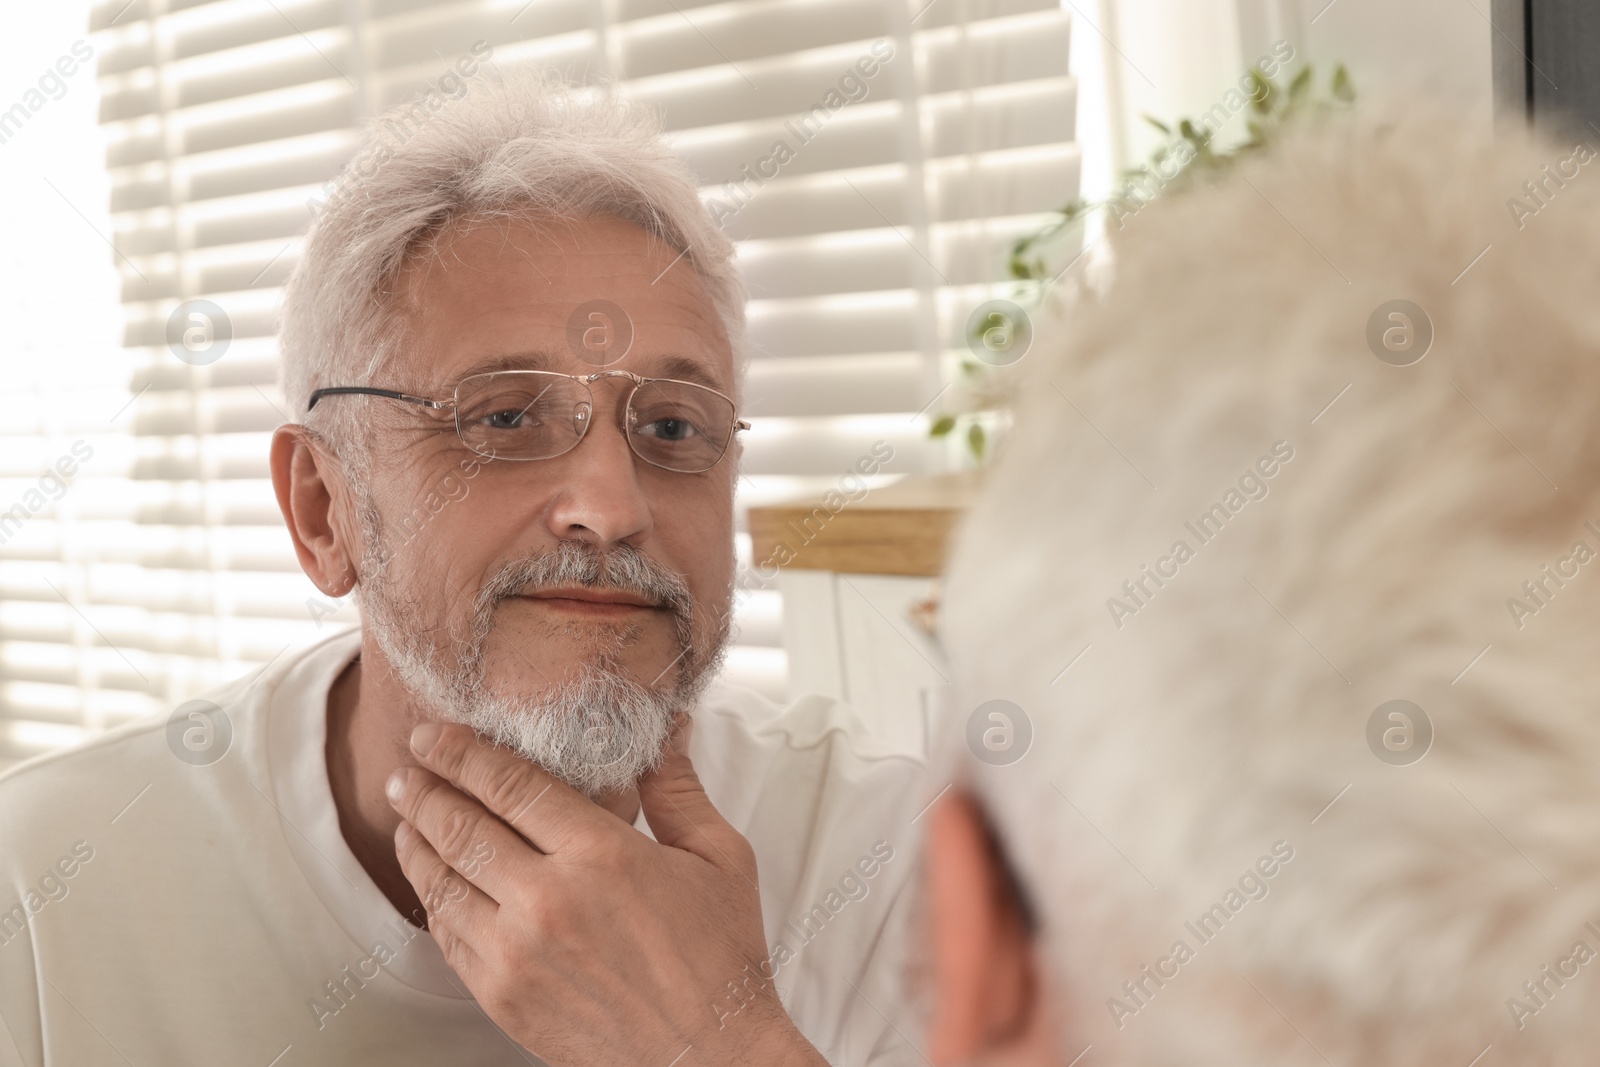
(503, 294)
(462, 251)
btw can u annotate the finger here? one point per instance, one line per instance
(547, 812)
(682, 816)
(466, 835)
(461, 917)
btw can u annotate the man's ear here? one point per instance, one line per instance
(317, 507)
(987, 983)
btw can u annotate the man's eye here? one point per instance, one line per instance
(513, 417)
(670, 429)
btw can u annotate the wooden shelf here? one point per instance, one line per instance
(902, 529)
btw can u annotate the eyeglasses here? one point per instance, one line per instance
(535, 414)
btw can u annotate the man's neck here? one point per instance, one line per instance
(370, 719)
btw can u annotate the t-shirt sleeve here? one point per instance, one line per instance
(894, 1051)
(10, 1053)
(21, 1044)
(21, 1013)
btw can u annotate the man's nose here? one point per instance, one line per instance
(599, 497)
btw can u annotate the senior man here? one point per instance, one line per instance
(1322, 789)
(473, 832)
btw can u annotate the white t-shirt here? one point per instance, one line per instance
(156, 911)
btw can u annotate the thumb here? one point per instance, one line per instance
(677, 808)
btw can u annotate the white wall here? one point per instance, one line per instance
(1171, 58)
(1438, 48)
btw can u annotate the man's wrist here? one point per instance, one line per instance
(781, 1044)
(769, 1038)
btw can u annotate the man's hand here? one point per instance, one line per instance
(584, 940)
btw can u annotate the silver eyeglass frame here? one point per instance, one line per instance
(586, 380)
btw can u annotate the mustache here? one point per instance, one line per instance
(618, 568)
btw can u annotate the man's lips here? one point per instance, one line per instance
(588, 601)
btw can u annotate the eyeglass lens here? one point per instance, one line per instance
(536, 415)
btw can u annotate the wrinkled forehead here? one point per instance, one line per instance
(564, 295)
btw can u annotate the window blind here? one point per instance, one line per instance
(866, 245)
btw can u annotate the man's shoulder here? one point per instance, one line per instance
(51, 801)
(92, 783)
(224, 722)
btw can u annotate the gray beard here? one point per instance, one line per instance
(597, 730)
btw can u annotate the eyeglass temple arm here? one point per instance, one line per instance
(353, 390)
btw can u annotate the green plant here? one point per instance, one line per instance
(1186, 158)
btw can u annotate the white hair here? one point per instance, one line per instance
(506, 147)
(1224, 707)
(527, 148)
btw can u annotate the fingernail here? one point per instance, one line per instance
(402, 833)
(424, 737)
(395, 787)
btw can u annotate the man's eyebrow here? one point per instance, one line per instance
(689, 370)
(680, 367)
(535, 359)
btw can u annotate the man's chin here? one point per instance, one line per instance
(594, 729)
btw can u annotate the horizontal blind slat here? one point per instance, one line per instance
(224, 120)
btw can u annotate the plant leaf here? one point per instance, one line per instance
(1301, 83)
(942, 425)
(975, 439)
(1342, 89)
(1262, 92)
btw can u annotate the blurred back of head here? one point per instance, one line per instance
(1237, 517)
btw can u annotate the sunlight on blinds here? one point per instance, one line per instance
(63, 386)
(872, 158)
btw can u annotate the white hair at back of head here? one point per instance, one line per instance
(1230, 707)
(516, 146)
